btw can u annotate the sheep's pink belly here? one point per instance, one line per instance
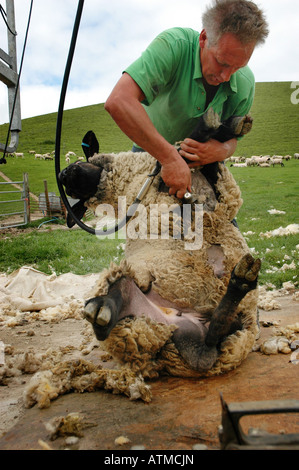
(158, 309)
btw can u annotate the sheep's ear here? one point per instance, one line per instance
(90, 144)
(79, 210)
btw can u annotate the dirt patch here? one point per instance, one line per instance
(167, 422)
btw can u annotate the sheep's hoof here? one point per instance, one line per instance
(101, 317)
(104, 316)
(248, 268)
(103, 312)
(245, 274)
(241, 125)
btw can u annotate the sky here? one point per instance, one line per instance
(112, 35)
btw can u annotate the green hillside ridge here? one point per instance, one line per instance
(276, 122)
(275, 131)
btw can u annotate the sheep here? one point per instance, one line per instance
(263, 159)
(67, 159)
(31, 152)
(19, 155)
(296, 156)
(70, 154)
(237, 159)
(38, 156)
(264, 165)
(275, 160)
(170, 306)
(239, 165)
(251, 161)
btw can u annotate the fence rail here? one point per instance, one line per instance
(18, 205)
(14, 206)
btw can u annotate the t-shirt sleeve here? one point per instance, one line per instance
(154, 69)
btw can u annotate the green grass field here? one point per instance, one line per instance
(275, 131)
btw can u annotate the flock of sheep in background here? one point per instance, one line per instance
(265, 161)
(46, 156)
(259, 160)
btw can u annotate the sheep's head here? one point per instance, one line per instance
(80, 179)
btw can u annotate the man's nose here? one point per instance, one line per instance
(226, 74)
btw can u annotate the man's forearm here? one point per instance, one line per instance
(133, 120)
(229, 148)
(124, 106)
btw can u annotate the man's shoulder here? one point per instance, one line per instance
(179, 33)
(245, 75)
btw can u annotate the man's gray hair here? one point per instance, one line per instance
(242, 18)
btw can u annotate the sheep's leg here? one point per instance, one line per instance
(198, 346)
(197, 335)
(243, 280)
(207, 126)
(234, 127)
(125, 299)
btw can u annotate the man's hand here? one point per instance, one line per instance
(177, 176)
(208, 152)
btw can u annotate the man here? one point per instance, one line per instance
(161, 95)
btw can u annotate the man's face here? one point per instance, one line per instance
(220, 61)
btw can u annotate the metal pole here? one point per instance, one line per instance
(9, 76)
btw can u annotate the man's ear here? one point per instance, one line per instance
(203, 39)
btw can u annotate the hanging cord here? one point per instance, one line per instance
(132, 209)
(2, 160)
(4, 16)
(60, 116)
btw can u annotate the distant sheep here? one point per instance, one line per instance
(264, 165)
(264, 161)
(70, 154)
(275, 160)
(251, 161)
(239, 165)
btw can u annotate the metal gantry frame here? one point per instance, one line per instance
(9, 76)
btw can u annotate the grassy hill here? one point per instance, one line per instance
(276, 122)
(275, 131)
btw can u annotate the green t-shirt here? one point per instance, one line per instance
(169, 74)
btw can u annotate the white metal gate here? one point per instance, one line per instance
(14, 203)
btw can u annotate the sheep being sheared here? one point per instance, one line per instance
(173, 305)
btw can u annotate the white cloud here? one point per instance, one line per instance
(112, 35)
